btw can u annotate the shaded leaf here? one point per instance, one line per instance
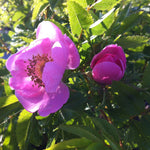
(35, 135)
(146, 76)
(128, 23)
(22, 129)
(132, 41)
(10, 141)
(9, 110)
(71, 144)
(108, 131)
(97, 146)
(81, 131)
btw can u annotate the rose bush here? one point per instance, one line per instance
(108, 65)
(37, 70)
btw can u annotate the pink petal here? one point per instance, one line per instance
(106, 72)
(110, 49)
(54, 101)
(48, 29)
(60, 54)
(37, 47)
(30, 102)
(10, 63)
(74, 57)
(52, 75)
(19, 75)
(41, 47)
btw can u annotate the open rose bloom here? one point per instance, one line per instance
(37, 70)
(108, 65)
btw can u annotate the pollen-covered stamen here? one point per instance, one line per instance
(35, 68)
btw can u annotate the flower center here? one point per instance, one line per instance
(35, 68)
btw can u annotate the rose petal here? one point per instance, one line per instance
(106, 72)
(52, 75)
(10, 63)
(41, 47)
(110, 49)
(48, 29)
(54, 101)
(37, 47)
(60, 54)
(30, 102)
(73, 57)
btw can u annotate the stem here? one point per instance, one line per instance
(104, 97)
(61, 114)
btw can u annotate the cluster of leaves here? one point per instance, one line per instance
(116, 117)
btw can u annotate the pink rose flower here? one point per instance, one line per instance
(108, 65)
(37, 70)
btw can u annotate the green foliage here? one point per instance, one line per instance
(94, 118)
(103, 24)
(105, 5)
(146, 77)
(71, 144)
(79, 18)
(80, 131)
(133, 41)
(23, 126)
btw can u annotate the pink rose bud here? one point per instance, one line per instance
(37, 70)
(108, 65)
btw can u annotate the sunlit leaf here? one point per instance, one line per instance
(103, 24)
(38, 8)
(7, 100)
(105, 4)
(79, 18)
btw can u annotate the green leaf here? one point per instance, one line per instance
(129, 102)
(103, 24)
(39, 7)
(79, 18)
(7, 100)
(89, 2)
(7, 136)
(22, 130)
(54, 3)
(18, 15)
(146, 76)
(105, 4)
(9, 110)
(124, 13)
(27, 40)
(83, 3)
(82, 132)
(132, 41)
(10, 141)
(97, 146)
(128, 23)
(146, 50)
(35, 135)
(108, 131)
(71, 144)
(7, 88)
